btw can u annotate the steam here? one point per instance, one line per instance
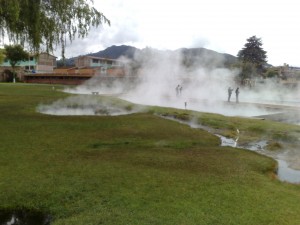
(87, 105)
(204, 86)
(204, 83)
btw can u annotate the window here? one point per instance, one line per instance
(95, 61)
(103, 70)
(31, 58)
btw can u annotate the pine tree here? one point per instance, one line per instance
(253, 53)
(252, 60)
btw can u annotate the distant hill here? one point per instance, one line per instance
(190, 56)
(205, 57)
(115, 52)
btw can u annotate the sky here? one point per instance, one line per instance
(220, 25)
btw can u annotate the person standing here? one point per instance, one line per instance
(237, 92)
(180, 90)
(177, 90)
(229, 93)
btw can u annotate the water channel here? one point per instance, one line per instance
(284, 172)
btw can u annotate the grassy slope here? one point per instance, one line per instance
(250, 129)
(134, 169)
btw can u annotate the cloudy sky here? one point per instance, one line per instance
(220, 25)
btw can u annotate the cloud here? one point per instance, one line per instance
(222, 26)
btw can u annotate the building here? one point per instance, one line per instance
(42, 68)
(102, 66)
(40, 63)
(44, 63)
(86, 67)
(290, 76)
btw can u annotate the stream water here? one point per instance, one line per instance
(284, 172)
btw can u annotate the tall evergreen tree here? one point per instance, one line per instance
(253, 53)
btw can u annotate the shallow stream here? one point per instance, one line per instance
(284, 172)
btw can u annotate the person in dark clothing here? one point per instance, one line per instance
(229, 93)
(177, 90)
(237, 92)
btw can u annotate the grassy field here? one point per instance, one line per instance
(138, 168)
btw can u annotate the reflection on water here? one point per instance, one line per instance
(228, 141)
(23, 217)
(286, 173)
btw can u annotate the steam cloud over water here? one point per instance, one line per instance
(87, 105)
(204, 86)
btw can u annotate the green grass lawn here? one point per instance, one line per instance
(135, 169)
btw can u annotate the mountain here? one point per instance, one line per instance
(115, 52)
(191, 57)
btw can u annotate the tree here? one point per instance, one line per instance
(47, 22)
(248, 70)
(15, 54)
(272, 72)
(253, 53)
(2, 55)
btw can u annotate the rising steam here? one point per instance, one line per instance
(204, 85)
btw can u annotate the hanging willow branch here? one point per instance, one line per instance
(48, 22)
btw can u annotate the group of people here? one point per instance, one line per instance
(178, 90)
(237, 92)
(230, 90)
